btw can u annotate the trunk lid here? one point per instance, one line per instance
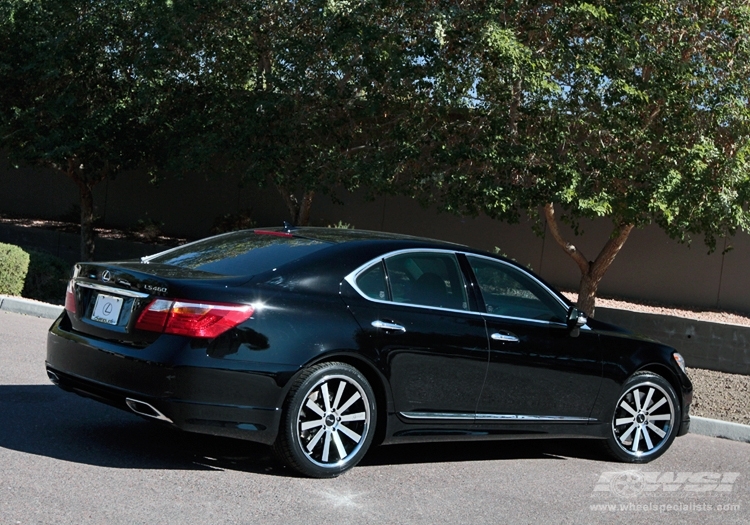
(109, 297)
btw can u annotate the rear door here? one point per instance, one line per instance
(415, 310)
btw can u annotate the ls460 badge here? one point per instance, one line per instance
(155, 289)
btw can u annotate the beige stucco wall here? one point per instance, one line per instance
(650, 267)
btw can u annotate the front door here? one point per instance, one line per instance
(539, 368)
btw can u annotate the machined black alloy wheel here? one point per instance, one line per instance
(645, 420)
(329, 421)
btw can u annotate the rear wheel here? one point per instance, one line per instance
(328, 422)
(645, 419)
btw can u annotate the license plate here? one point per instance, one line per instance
(107, 309)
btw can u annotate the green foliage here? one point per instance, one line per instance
(341, 225)
(14, 265)
(634, 111)
(47, 278)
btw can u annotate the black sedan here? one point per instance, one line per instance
(322, 342)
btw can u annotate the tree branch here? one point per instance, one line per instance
(570, 249)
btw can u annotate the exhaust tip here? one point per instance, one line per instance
(144, 409)
(53, 377)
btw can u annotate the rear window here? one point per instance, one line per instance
(238, 253)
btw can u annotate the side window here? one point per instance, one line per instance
(372, 282)
(428, 279)
(510, 292)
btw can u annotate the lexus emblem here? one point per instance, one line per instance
(106, 276)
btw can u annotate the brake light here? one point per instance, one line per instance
(194, 319)
(273, 233)
(70, 297)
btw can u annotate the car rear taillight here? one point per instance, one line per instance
(194, 319)
(70, 297)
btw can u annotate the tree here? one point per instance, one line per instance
(68, 93)
(635, 111)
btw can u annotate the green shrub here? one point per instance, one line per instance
(47, 278)
(14, 265)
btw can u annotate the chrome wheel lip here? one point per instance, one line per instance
(332, 420)
(642, 419)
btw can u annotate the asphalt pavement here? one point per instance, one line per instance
(65, 459)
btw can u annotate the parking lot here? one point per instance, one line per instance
(65, 459)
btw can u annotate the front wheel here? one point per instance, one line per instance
(645, 420)
(328, 422)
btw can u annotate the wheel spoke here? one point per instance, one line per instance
(359, 416)
(624, 421)
(339, 445)
(660, 417)
(349, 403)
(339, 393)
(658, 404)
(637, 397)
(350, 433)
(628, 432)
(326, 446)
(648, 398)
(646, 436)
(656, 430)
(314, 441)
(636, 439)
(314, 407)
(307, 425)
(628, 408)
(326, 399)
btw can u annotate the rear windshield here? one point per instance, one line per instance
(239, 253)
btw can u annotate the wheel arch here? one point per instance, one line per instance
(376, 379)
(668, 375)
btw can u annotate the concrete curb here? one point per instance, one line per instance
(20, 305)
(698, 425)
(721, 429)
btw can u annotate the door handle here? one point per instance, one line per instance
(506, 337)
(388, 326)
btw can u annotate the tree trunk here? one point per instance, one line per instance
(87, 221)
(592, 272)
(299, 209)
(85, 183)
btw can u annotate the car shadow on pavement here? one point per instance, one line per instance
(45, 421)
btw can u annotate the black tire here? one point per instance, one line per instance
(328, 421)
(645, 421)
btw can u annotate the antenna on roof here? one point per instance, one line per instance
(288, 227)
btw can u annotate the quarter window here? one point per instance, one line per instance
(510, 292)
(372, 282)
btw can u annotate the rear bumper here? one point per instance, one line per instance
(191, 390)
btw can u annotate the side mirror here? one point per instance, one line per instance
(576, 318)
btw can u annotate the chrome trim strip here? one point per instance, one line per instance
(495, 417)
(437, 415)
(113, 290)
(524, 418)
(352, 280)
